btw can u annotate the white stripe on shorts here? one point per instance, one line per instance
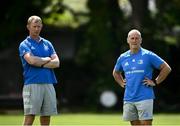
(27, 106)
(26, 93)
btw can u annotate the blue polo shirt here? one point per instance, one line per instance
(33, 74)
(136, 67)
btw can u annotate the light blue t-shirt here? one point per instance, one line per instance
(33, 74)
(136, 67)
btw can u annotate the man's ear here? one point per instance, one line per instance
(27, 26)
(141, 41)
(127, 41)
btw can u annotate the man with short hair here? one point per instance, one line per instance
(38, 58)
(133, 71)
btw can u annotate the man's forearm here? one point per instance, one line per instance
(39, 61)
(118, 78)
(52, 64)
(165, 70)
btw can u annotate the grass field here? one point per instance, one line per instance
(87, 119)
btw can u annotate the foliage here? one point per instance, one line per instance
(102, 36)
(105, 37)
(14, 15)
(65, 13)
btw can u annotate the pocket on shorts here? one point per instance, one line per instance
(26, 94)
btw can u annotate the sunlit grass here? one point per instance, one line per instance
(91, 119)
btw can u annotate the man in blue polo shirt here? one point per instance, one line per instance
(133, 71)
(38, 58)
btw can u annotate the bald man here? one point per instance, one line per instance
(133, 72)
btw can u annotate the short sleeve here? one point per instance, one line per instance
(155, 60)
(52, 50)
(23, 49)
(118, 65)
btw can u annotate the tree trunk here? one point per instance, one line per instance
(139, 12)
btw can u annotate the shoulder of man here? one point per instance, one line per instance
(25, 42)
(125, 54)
(146, 51)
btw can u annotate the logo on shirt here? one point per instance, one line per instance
(135, 71)
(133, 68)
(140, 61)
(126, 64)
(24, 51)
(46, 47)
(32, 47)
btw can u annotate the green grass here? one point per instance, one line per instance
(80, 119)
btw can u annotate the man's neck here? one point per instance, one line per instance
(36, 38)
(134, 50)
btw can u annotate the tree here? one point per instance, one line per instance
(14, 15)
(139, 13)
(102, 35)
